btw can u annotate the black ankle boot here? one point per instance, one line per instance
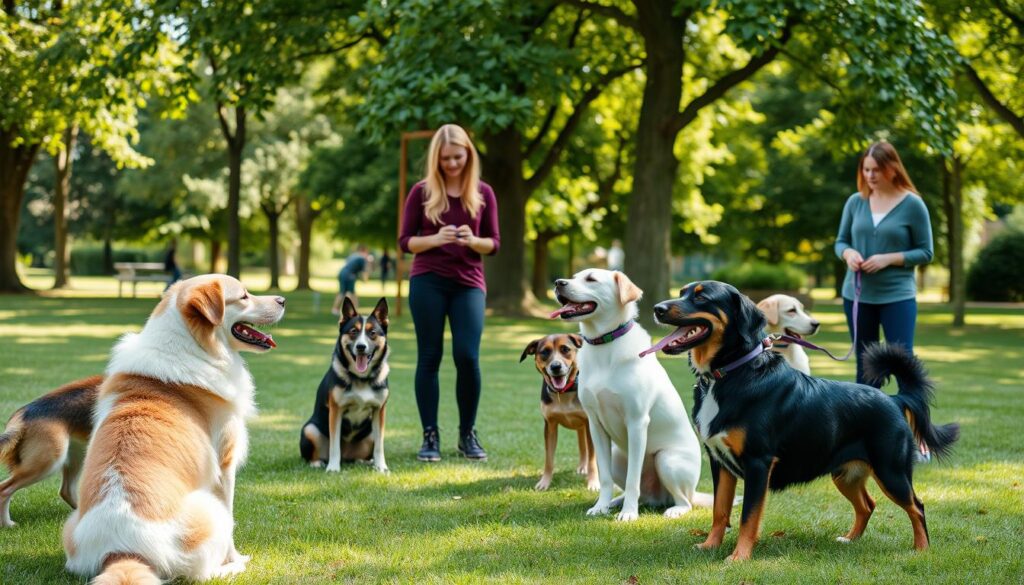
(431, 448)
(470, 448)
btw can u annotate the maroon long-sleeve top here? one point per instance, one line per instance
(450, 260)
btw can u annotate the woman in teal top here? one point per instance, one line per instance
(884, 233)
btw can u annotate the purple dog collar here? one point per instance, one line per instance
(611, 335)
(762, 347)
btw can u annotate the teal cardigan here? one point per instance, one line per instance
(906, 228)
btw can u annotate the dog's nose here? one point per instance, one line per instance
(561, 282)
(556, 367)
(815, 325)
(360, 347)
(660, 310)
(280, 301)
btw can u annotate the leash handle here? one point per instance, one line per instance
(856, 311)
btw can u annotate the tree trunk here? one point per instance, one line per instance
(953, 201)
(215, 246)
(273, 216)
(15, 162)
(650, 212)
(61, 195)
(507, 293)
(541, 284)
(304, 216)
(236, 147)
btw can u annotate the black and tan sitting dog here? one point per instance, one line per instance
(45, 435)
(773, 426)
(348, 417)
(555, 358)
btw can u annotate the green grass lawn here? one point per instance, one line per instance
(468, 522)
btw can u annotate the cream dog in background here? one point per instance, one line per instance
(642, 435)
(786, 315)
(158, 481)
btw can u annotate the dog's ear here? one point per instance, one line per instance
(750, 322)
(348, 310)
(202, 307)
(531, 349)
(576, 339)
(628, 292)
(381, 313)
(770, 308)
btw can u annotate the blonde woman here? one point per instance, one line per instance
(450, 221)
(884, 233)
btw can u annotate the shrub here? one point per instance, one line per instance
(87, 259)
(760, 275)
(996, 274)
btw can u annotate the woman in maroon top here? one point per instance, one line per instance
(450, 220)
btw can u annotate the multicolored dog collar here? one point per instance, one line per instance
(611, 335)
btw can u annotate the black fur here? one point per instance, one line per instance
(346, 377)
(807, 426)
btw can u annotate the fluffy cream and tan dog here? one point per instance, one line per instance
(786, 316)
(157, 486)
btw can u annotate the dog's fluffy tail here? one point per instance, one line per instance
(126, 570)
(915, 395)
(9, 438)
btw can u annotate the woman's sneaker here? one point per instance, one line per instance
(469, 447)
(431, 448)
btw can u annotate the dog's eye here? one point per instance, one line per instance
(545, 353)
(590, 278)
(245, 296)
(700, 297)
(371, 334)
(565, 349)
(791, 311)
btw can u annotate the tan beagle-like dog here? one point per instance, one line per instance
(786, 316)
(555, 358)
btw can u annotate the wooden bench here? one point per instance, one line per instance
(136, 272)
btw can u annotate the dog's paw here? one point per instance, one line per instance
(236, 557)
(593, 484)
(316, 464)
(543, 484)
(333, 467)
(843, 540)
(627, 515)
(599, 509)
(229, 569)
(708, 544)
(10, 524)
(382, 469)
(738, 556)
(582, 469)
(677, 511)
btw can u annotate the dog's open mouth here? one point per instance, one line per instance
(558, 382)
(792, 333)
(247, 333)
(362, 361)
(682, 339)
(570, 309)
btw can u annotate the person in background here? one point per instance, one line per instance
(385, 267)
(347, 276)
(450, 221)
(885, 231)
(171, 264)
(616, 256)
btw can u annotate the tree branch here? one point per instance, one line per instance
(730, 80)
(1001, 109)
(592, 93)
(612, 12)
(330, 50)
(1016, 19)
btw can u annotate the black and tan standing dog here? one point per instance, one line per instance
(348, 417)
(45, 435)
(773, 426)
(555, 358)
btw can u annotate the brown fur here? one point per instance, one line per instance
(41, 434)
(564, 409)
(702, 355)
(168, 427)
(202, 307)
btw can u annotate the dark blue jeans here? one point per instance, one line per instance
(897, 320)
(432, 299)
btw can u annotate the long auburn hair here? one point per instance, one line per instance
(887, 158)
(434, 182)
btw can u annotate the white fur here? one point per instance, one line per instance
(642, 435)
(787, 313)
(165, 350)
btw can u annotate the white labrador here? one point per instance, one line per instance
(786, 315)
(642, 435)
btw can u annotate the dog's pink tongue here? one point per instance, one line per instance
(362, 362)
(665, 341)
(563, 309)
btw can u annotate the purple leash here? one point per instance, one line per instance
(809, 345)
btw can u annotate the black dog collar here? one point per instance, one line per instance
(611, 335)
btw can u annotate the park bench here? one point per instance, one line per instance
(136, 272)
